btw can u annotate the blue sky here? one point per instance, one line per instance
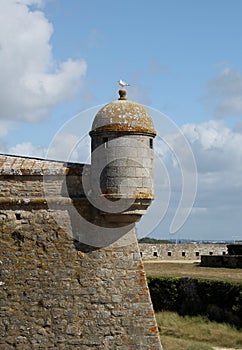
(181, 57)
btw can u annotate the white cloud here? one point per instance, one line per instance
(31, 2)
(27, 149)
(224, 93)
(31, 81)
(65, 147)
(4, 126)
(217, 209)
(218, 153)
(216, 147)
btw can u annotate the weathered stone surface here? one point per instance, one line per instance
(56, 292)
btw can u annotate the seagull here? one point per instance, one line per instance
(122, 83)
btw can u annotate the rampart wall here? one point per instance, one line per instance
(56, 291)
(180, 251)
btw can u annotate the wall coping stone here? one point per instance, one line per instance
(16, 165)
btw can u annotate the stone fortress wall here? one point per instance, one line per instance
(56, 292)
(71, 274)
(180, 251)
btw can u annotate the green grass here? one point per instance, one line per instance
(192, 270)
(195, 333)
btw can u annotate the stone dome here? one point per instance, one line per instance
(123, 116)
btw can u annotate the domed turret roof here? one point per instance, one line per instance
(123, 116)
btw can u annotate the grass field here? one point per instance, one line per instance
(191, 270)
(195, 333)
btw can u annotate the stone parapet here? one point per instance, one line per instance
(14, 165)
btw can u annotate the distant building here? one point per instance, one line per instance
(180, 251)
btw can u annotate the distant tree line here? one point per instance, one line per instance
(153, 241)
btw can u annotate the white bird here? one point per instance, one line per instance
(122, 83)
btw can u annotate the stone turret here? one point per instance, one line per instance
(122, 159)
(71, 273)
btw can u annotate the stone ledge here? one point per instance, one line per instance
(15, 165)
(39, 200)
